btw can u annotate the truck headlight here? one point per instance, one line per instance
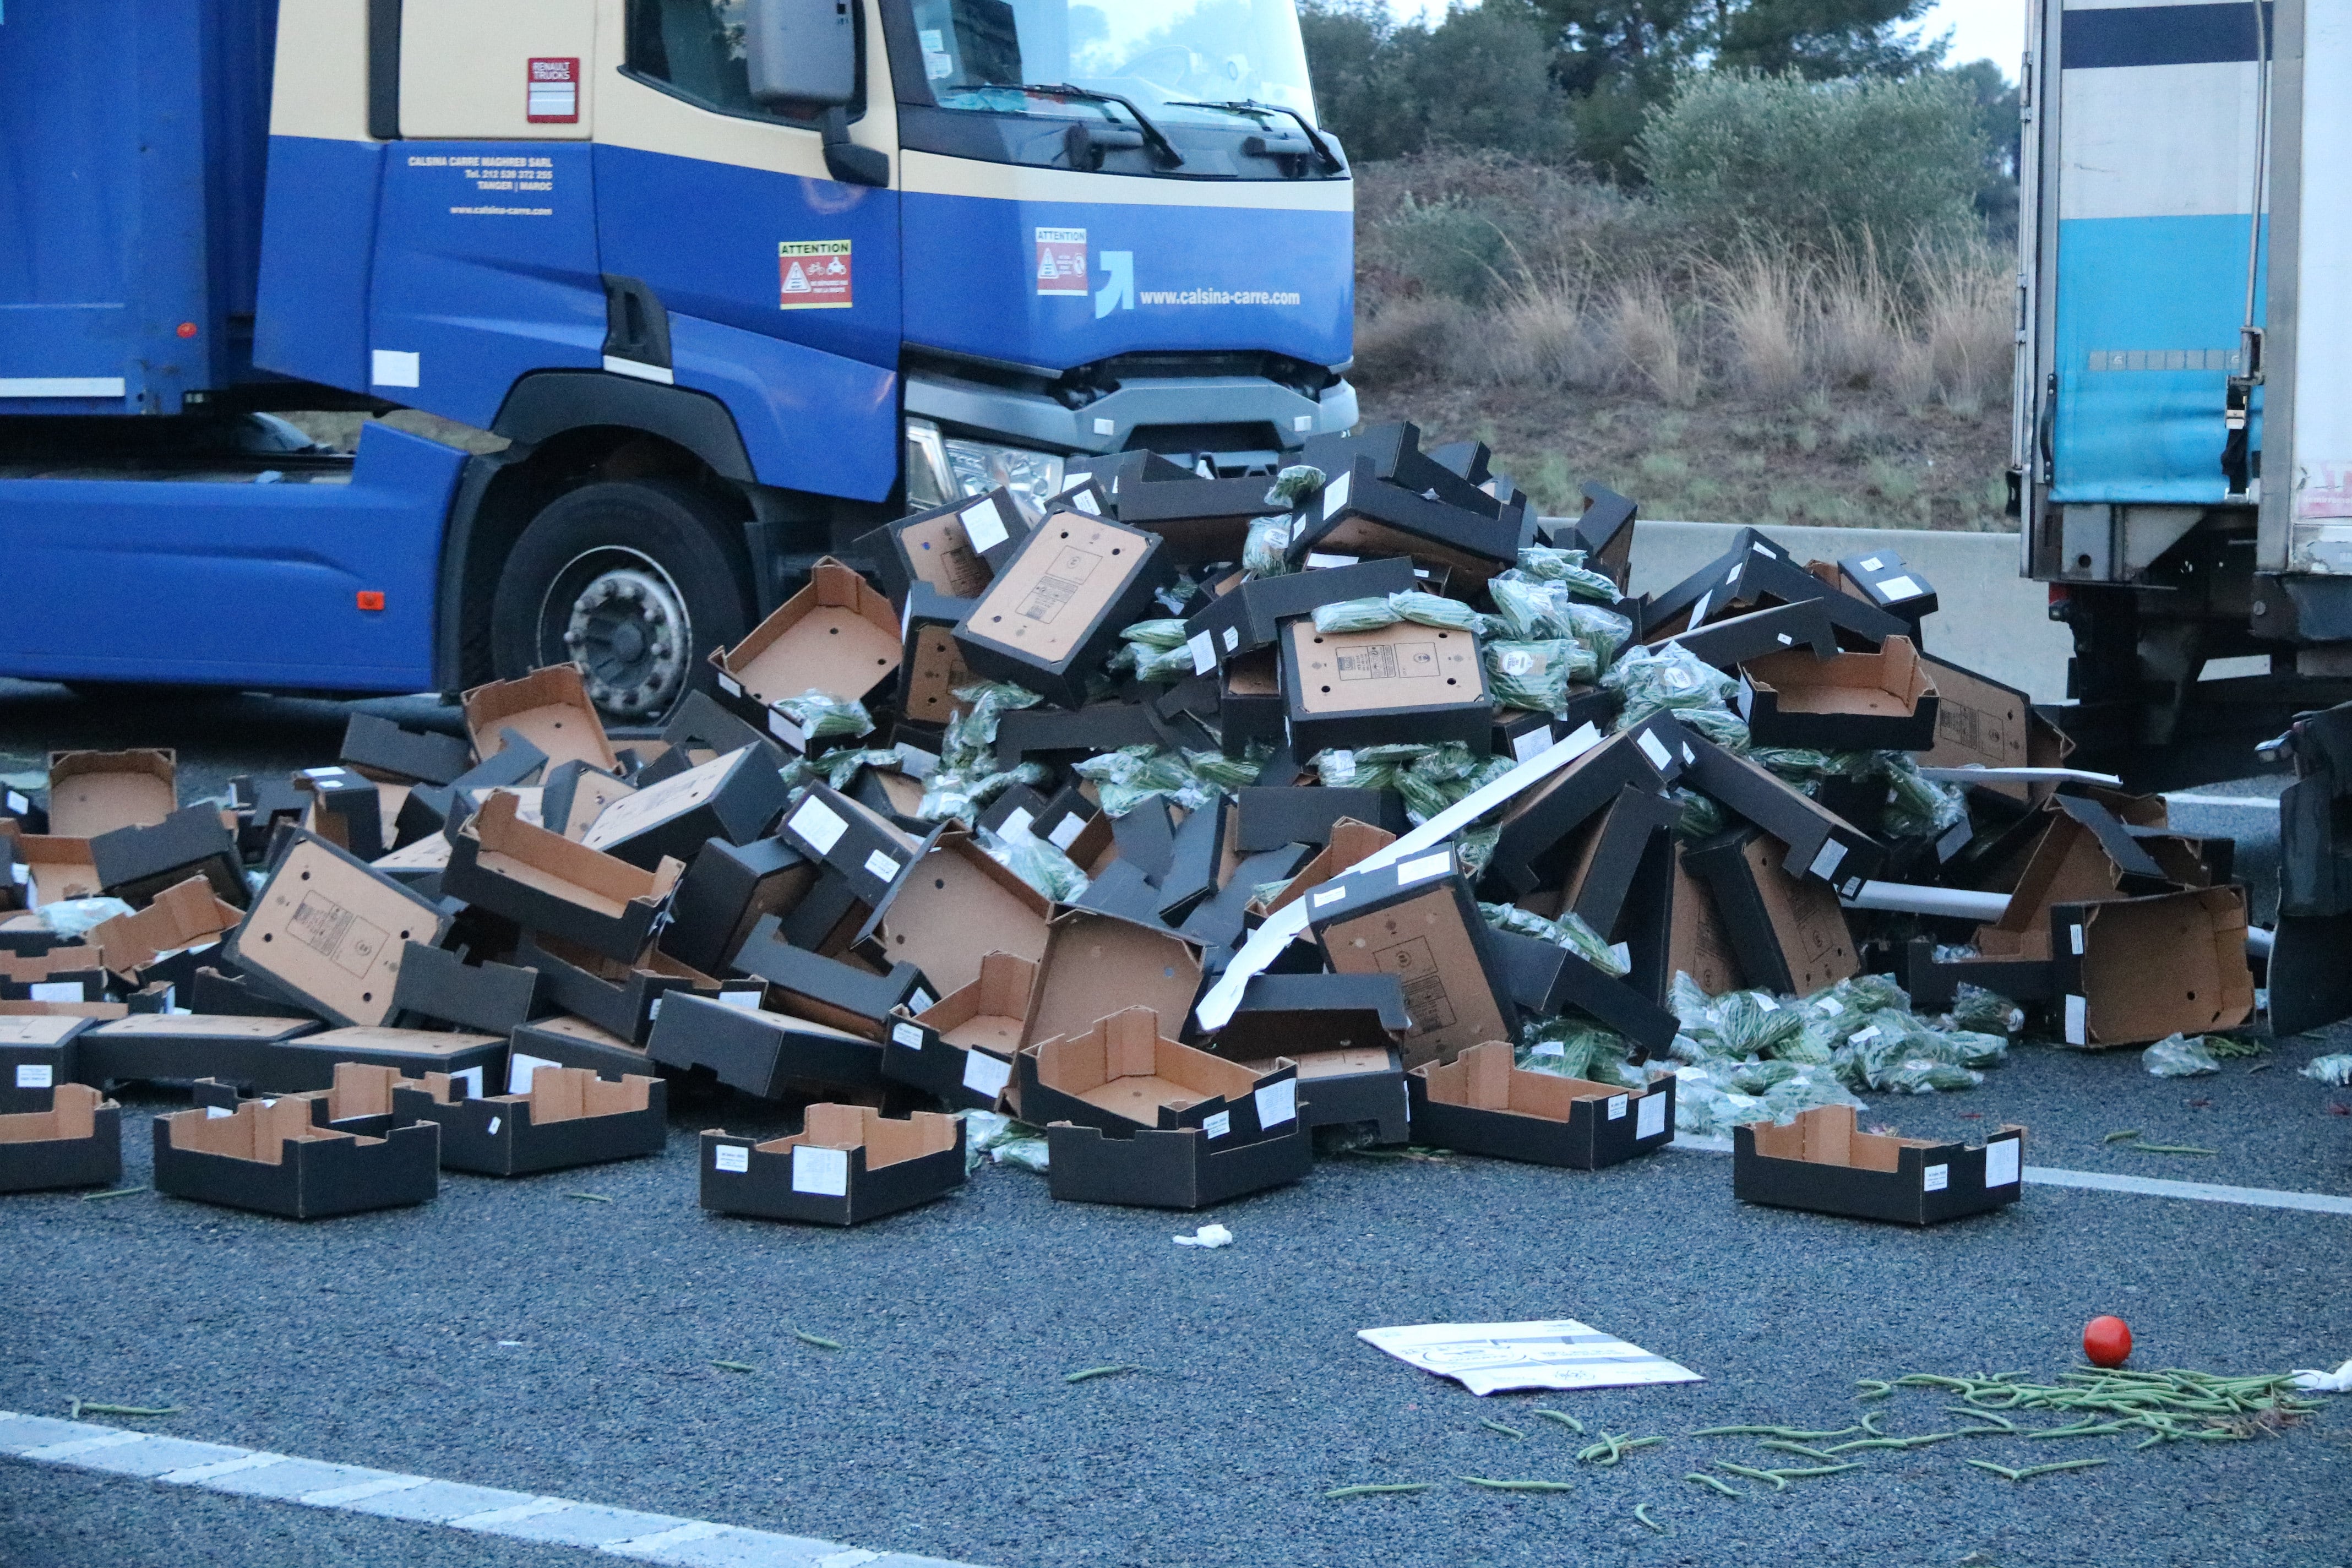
(941, 468)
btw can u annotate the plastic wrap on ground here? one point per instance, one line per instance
(2179, 1056)
(2335, 1070)
(822, 716)
(1570, 932)
(1003, 1141)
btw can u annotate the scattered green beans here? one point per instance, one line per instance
(819, 1340)
(2169, 1149)
(116, 1193)
(589, 1197)
(1874, 1388)
(1725, 1488)
(1752, 1473)
(1807, 1451)
(1397, 1489)
(1498, 1426)
(1815, 1471)
(1087, 1374)
(2003, 1471)
(1793, 1434)
(735, 1365)
(1571, 1422)
(2029, 1471)
(2119, 1136)
(1642, 1512)
(1613, 1447)
(1494, 1485)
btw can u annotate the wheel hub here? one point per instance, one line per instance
(629, 627)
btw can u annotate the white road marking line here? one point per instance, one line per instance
(2109, 1182)
(2250, 802)
(669, 1544)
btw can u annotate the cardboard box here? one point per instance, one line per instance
(309, 1061)
(836, 635)
(47, 869)
(870, 853)
(2084, 854)
(761, 1052)
(1407, 682)
(73, 1141)
(1820, 843)
(952, 907)
(620, 996)
(346, 809)
(565, 1041)
(1608, 865)
(1820, 1162)
(1096, 964)
(1853, 701)
(1537, 846)
(359, 1101)
(1055, 612)
(1789, 934)
(725, 891)
(849, 1164)
(92, 793)
(700, 729)
(1250, 704)
(576, 795)
(1934, 983)
(1357, 1087)
(1270, 818)
(953, 549)
(1545, 979)
(1733, 641)
(267, 1156)
(1982, 723)
(1881, 577)
(37, 1054)
(1394, 453)
(185, 921)
(545, 882)
(734, 798)
(568, 1117)
(2131, 970)
(1219, 921)
(419, 756)
(1757, 574)
(1057, 735)
(961, 1049)
(179, 1047)
(1123, 1074)
(1481, 1104)
(69, 971)
(1199, 519)
(550, 708)
(1069, 822)
(1359, 515)
(844, 995)
(1417, 919)
(931, 664)
(418, 867)
(1250, 618)
(438, 985)
(260, 805)
(1196, 855)
(1605, 534)
(1178, 1169)
(134, 864)
(1351, 842)
(331, 932)
(1672, 926)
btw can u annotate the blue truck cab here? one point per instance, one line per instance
(713, 286)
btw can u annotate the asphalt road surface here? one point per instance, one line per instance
(514, 1334)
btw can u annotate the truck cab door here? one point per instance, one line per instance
(779, 283)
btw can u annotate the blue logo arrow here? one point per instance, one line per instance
(1118, 294)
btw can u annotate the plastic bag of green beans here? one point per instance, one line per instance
(822, 716)
(1536, 675)
(1265, 552)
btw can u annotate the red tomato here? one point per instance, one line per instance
(2108, 1342)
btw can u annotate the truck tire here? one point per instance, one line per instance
(636, 580)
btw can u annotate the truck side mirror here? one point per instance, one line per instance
(800, 51)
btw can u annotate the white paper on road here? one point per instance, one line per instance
(1488, 1358)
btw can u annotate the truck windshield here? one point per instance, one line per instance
(1178, 60)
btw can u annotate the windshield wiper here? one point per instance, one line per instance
(1250, 106)
(1151, 133)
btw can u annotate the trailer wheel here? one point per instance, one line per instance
(636, 580)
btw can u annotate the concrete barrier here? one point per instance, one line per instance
(1991, 619)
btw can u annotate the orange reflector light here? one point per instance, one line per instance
(187, 328)
(371, 600)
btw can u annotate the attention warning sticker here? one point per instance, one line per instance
(1062, 261)
(815, 275)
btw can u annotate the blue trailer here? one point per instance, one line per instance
(713, 286)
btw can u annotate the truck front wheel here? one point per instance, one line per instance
(633, 579)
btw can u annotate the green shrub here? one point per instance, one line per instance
(1822, 166)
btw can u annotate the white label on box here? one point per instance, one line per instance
(392, 367)
(732, 1157)
(472, 1079)
(1873, 564)
(1731, 578)
(2078, 1022)
(1316, 561)
(21, 873)
(57, 991)
(1825, 863)
(1533, 743)
(1017, 820)
(1744, 699)
(907, 1036)
(1622, 953)
(983, 527)
(1203, 649)
(1901, 588)
(922, 1001)
(1617, 1103)
(746, 1000)
(34, 1075)
(819, 824)
(984, 1074)
(881, 866)
(1065, 832)
(214, 1112)
(1698, 611)
(1220, 1124)
(1423, 867)
(784, 729)
(1656, 749)
(1784, 639)
(1761, 551)
(1085, 501)
(653, 1009)
(1278, 1103)
(824, 1172)
(1938, 1178)
(1327, 895)
(1301, 423)
(323, 772)
(1335, 494)
(730, 685)
(521, 1065)
(1232, 638)
(2075, 936)
(1650, 1120)
(2002, 1161)
(493, 1128)
(17, 803)
(1105, 427)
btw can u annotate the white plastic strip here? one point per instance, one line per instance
(1960, 903)
(1978, 774)
(2226, 802)
(1282, 926)
(62, 387)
